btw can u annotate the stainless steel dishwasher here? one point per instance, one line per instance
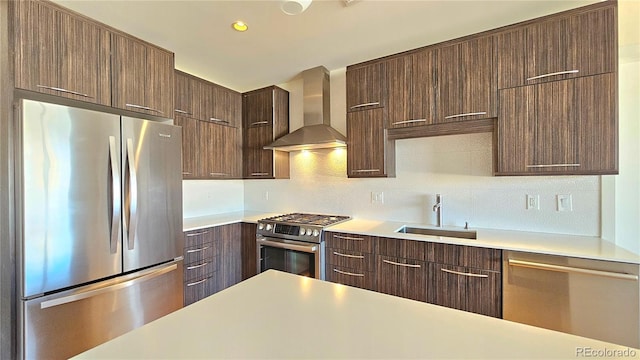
(591, 298)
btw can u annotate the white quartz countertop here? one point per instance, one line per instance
(276, 315)
(201, 222)
(589, 247)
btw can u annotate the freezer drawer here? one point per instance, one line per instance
(65, 324)
(591, 298)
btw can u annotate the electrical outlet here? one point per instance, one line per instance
(564, 202)
(533, 202)
(377, 197)
(266, 196)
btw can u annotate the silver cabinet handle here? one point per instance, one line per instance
(133, 195)
(569, 269)
(346, 237)
(197, 250)
(399, 264)
(349, 256)
(64, 91)
(220, 120)
(553, 74)
(365, 170)
(365, 104)
(466, 114)
(258, 123)
(219, 174)
(347, 273)
(553, 165)
(306, 248)
(409, 121)
(109, 288)
(465, 274)
(198, 233)
(182, 112)
(186, 173)
(116, 200)
(143, 108)
(199, 282)
(197, 266)
(259, 174)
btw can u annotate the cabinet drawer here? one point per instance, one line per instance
(199, 289)
(197, 254)
(197, 237)
(402, 277)
(468, 256)
(354, 242)
(357, 278)
(355, 260)
(199, 270)
(408, 249)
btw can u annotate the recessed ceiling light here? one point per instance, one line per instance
(240, 26)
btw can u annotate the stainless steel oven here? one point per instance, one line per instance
(294, 243)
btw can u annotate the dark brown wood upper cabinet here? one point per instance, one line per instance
(265, 117)
(369, 153)
(576, 45)
(61, 53)
(467, 87)
(366, 87)
(190, 146)
(221, 105)
(142, 76)
(219, 151)
(188, 95)
(411, 92)
(561, 127)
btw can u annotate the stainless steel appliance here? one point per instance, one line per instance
(100, 226)
(294, 243)
(591, 298)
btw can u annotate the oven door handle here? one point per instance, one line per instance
(310, 248)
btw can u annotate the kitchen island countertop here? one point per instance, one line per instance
(277, 315)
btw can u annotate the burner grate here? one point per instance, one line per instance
(309, 219)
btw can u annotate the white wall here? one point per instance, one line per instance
(459, 167)
(207, 197)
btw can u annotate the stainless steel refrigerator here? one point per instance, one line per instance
(99, 226)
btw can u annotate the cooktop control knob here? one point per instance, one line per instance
(309, 231)
(316, 232)
(302, 231)
(269, 227)
(261, 226)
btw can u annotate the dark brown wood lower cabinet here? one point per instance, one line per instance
(402, 277)
(463, 288)
(351, 277)
(199, 289)
(231, 255)
(249, 251)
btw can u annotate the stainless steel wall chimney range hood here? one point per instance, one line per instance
(317, 132)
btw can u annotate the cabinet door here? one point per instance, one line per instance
(221, 107)
(249, 251)
(257, 162)
(350, 277)
(411, 90)
(258, 108)
(467, 82)
(402, 277)
(61, 54)
(187, 96)
(231, 255)
(218, 150)
(462, 288)
(159, 80)
(366, 143)
(190, 146)
(365, 87)
(199, 289)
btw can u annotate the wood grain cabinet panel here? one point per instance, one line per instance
(142, 77)
(369, 152)
(562, 127)
(366, 87)
(190, 146)
(61, 53)
(467, 289)
(467, 84)
(187, 95)
(249, 251)
(265, 114)
(231, 255)
(409, 249)
(575, 45)
(461, 255)
(351, 277)
(402, 277)
(350, 242)
(201, 264)
(412, 86)
(219, 151)
(355, 260)
(198, 289)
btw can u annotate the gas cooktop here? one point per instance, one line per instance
(297, 226)
(308, 219)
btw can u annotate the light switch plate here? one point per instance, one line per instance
(564, 202)
(533, 202)
(377, 197)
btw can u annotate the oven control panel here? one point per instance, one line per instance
(296, 232)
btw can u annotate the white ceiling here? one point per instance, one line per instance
(278, 47)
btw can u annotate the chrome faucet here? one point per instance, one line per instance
(437, 208)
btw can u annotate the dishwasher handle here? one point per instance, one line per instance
(570, 269)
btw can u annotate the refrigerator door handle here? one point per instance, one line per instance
(110, 288)
(115, 193)
(133, 195)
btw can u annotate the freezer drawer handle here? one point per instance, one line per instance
(399, 264)
(64, 91)
(465, 274)
(347, 273)
(133, 195)
(569, 269)
(91, 293)
(115, 193)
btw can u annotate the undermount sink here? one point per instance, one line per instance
(464, 234)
